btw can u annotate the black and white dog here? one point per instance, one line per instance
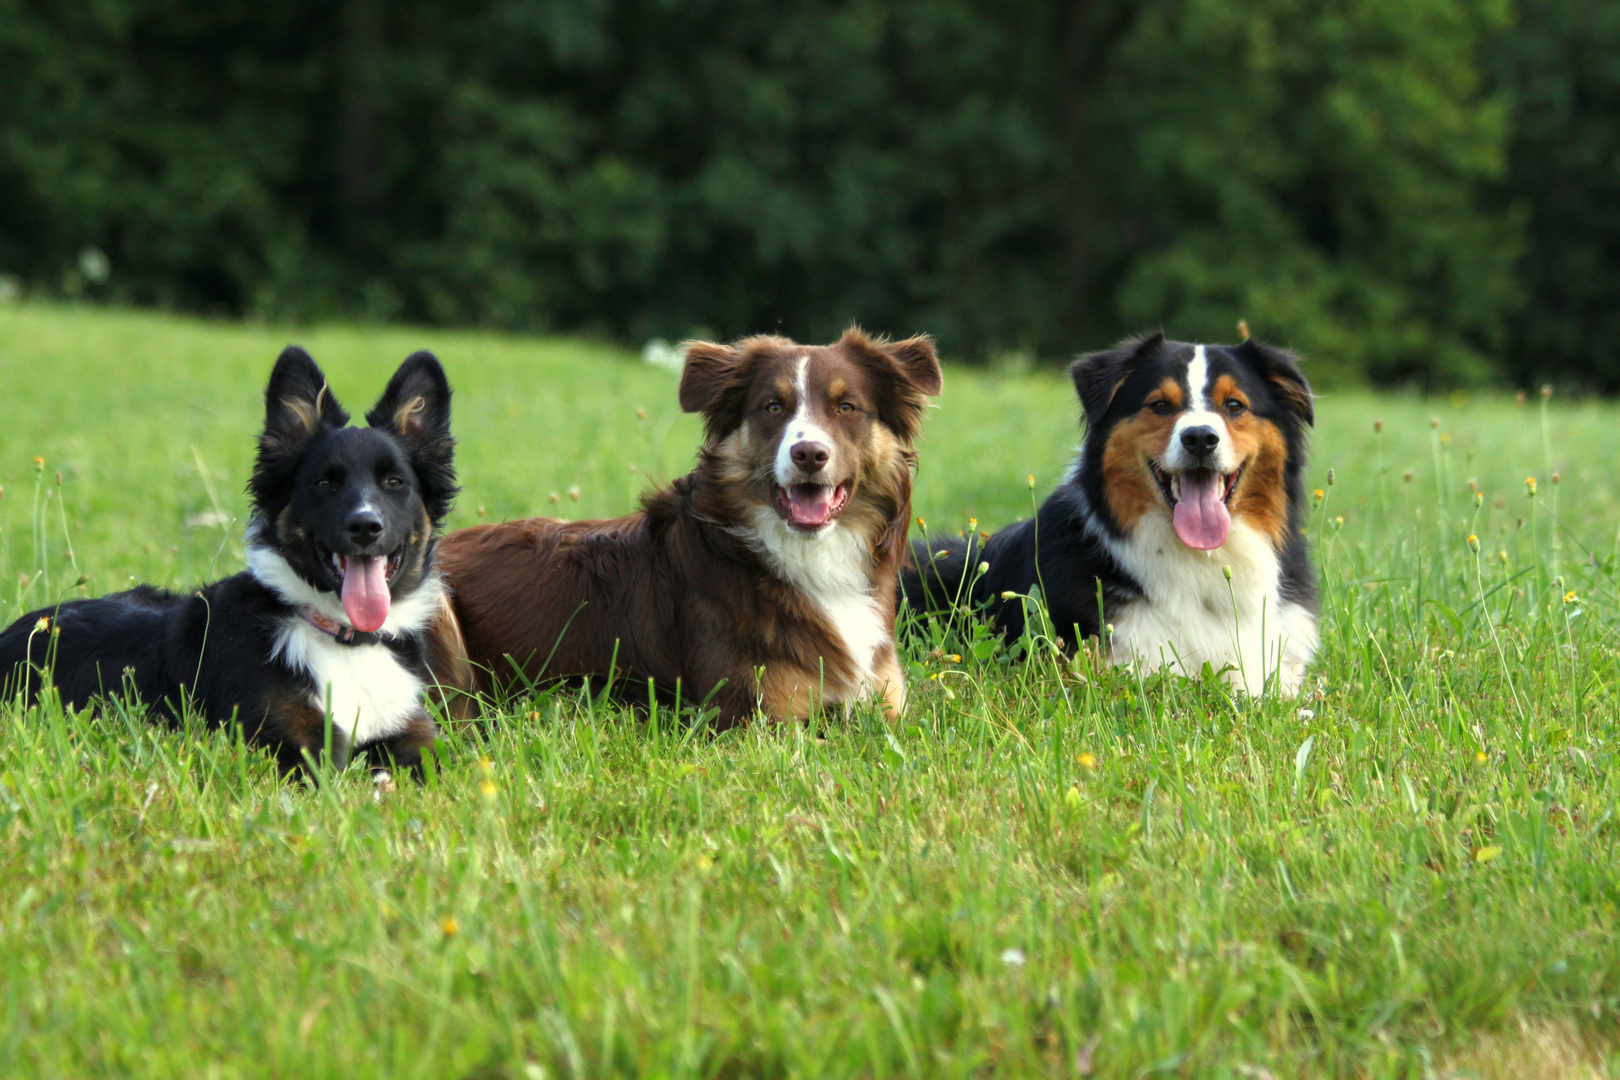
(1191, 469)
(339, 611)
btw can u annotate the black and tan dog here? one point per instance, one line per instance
(1179, 523)
(333, 614)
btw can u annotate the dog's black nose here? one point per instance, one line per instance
(810, 456)
(1200, 440)
(364, 527)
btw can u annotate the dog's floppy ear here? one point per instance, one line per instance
(706, 374)
(1280, 368)
(710, 384)
(908, 375)
(415, 409)
(916, 357)
(298, 404)
(1098, 376)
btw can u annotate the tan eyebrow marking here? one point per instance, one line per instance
(1227, 387)
(1171, 391)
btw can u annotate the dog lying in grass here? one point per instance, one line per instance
(764, 582)
(1179, 523)
(336, 613)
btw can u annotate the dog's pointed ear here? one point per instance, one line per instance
(1280, 368)
(1098, 376)
(415, 409)
(298, 404)
(908, 372)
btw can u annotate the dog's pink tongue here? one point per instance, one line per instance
(1201, 518)
(810, 504)
(365, 591)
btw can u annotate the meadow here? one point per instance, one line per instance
(1046, 868)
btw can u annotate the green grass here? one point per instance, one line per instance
(1040, 870)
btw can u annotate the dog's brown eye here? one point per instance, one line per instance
(1160, 407)
(1234, 407)
(393, 482)
(847, 407)
(774, 407)
(325, 483)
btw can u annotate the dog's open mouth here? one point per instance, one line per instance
(811, 506)
(1200, 502)
(363, 585)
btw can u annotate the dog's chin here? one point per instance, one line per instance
(811, 508)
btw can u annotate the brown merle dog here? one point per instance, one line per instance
(763, 582)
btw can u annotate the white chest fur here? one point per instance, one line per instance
(833, 570)
(372, 695)
(1190, 614)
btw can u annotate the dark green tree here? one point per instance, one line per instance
(1319, 167)
(1025, 175)
(169, 136)
(1562, 63)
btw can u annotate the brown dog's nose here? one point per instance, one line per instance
(810, 456)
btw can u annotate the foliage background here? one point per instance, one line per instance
(1419, 191)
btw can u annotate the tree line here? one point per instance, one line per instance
(1409, 191)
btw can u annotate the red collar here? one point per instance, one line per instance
(344, 635)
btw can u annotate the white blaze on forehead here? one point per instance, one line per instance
(801, 427)
(1198, 380)
(1201, 413)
